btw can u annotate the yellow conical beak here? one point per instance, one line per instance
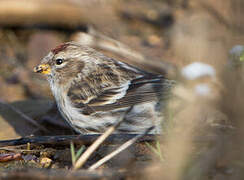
(42, 68)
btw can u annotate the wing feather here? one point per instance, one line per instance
(140, 90)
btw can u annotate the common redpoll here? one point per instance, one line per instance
(94, 91)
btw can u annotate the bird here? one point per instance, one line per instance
(93, 91)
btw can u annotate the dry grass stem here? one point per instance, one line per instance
(118, 150)
(81, 161)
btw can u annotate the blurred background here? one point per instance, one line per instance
(177, 32)
(161, 36)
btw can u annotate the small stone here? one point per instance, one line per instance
(45, 162)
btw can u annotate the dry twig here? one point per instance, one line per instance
(85, 139)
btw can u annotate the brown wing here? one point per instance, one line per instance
(144, 89)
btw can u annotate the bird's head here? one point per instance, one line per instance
(67, 61)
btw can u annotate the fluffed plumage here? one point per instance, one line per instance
(93, 91)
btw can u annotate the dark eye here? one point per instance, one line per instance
(59, 61)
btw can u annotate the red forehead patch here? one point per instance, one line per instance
(60, 48)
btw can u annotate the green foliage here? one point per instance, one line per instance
(75, 155)
(156, 149)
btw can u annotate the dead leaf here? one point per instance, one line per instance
(10, 157)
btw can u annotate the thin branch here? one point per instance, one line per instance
(86, 139)
(118, 150)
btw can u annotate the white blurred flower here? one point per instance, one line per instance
(197, 70)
